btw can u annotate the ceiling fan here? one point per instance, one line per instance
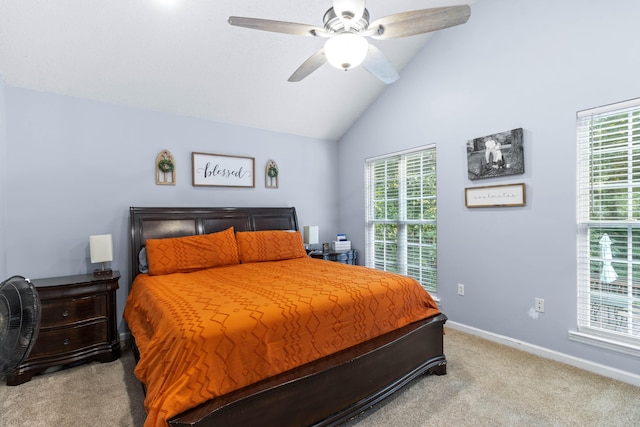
(346, 25)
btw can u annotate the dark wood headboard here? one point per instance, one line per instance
(158, 223)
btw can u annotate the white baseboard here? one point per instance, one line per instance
(596, 368)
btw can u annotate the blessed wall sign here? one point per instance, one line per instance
(220, 170)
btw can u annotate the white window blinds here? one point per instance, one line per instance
(608, 222)
(401, 215)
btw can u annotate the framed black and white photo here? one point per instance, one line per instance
(495, 196)
(219, 170)
(499, 154)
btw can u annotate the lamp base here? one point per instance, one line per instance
(102, 273)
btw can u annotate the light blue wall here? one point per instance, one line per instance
(3, 183)
(516, 63)
(77, 166)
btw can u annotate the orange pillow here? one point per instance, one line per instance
(191, 253)
(269, 245)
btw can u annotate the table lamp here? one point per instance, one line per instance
(101, 248)
(310, 235)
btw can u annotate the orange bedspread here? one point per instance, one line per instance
(206, 333)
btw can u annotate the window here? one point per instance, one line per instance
(608, 225)
(401, 215)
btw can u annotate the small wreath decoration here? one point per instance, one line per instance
(272, 172)
(165, 165)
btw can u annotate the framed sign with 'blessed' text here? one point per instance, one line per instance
(220, 170)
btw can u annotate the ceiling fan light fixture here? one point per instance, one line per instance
(346, 50)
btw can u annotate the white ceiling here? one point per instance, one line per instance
(181, 57)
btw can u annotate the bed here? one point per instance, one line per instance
(325, 384)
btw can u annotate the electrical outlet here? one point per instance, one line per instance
(539, 305)
(460, 289)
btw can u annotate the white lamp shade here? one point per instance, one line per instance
(101, 248)
(311, 234)
(346, 50)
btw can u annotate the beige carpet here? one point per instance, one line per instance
(95, 394)
(487, 385)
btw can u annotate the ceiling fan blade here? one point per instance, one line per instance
(277, 26)
(418, 22)
(379, 66)
(314, 62)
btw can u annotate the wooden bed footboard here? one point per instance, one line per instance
(333, 389)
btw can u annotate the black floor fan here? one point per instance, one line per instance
(19, 321)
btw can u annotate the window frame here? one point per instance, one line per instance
(415, 239)
(604, 134)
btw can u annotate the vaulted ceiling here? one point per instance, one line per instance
(182, 57)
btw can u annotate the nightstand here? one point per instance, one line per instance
(78, 324)
(343, 257)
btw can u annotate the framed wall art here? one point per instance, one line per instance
(165, 168)
(495, 155)
(219, 170)
(495, 196)
(271, 174)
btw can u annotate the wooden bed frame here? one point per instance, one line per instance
(322, 393)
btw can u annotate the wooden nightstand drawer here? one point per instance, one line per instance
(78, 323)
(65, 340)
(55, 313)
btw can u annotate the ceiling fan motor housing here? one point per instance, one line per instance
(335, 24)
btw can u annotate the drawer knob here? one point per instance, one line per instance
(66, 341)
(65, 313)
